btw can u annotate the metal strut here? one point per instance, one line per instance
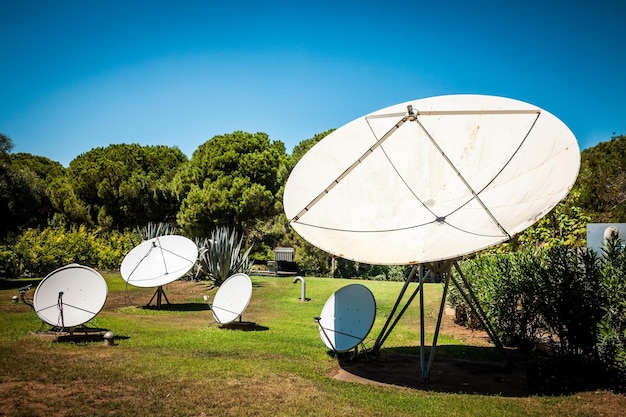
(389, 326)
(159, 294)
(445, 269)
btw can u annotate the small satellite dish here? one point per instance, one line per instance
(232, 298)
(159, 261)
(347, 317)
(70, 296)
(431, 179)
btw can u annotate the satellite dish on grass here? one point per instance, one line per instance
(428, 181)
(431, 179)
(70, 296)
(159, 261)
(347, 317)
(232, 298)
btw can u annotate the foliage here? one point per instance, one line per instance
(24, 201)
(6, 145)
(9, 262)
(602, 181)
(222, 255)
(231, 180)
(570, 290)
(612, 326)
(506, 287)
(304, 146)
(571, 298)
(152, 230)
(345, 268)
(119, 186)
(43, 167)
(40, 251)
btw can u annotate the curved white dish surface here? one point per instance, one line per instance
(159, 261)
(347, 317)
(70, 296)
(457, 175)
(232, 298)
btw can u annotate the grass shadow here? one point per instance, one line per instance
(178, 307)
(454, 370)
(15, 284)
(245, 326)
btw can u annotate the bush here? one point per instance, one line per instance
(612, 327)
(42, 251)
(506, 287)
(570, 298)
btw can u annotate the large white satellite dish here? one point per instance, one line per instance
(347, 317)
(159, 261)
(70, 296)
(232, 298)
(431, 179)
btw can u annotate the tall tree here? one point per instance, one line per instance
(602, 181)
(232, 180)
(24, 201)
(120, 186)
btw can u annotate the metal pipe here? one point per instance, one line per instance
(303, 290)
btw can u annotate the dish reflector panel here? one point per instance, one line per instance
(431, 179)
(70, 296)
(159, 261)
(232, 298)
(347, 317)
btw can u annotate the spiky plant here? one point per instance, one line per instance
(222, 255)
(152, 230)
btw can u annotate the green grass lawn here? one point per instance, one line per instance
(179, 362)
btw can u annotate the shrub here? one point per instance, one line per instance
(612, 327)
(42, 251)
(221, 256)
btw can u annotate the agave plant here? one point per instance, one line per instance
(222, 256)
(152, 230)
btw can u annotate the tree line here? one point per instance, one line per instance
(237, 180)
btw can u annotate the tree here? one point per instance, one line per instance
(120, 186)
(232, 180)
(43, 167)
(602, 181)
(24, 199)
(6, 145)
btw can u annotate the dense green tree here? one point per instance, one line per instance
(43, 167)
(120, 186)
(602, 181)
(6, 145)
(232, 180)
(24, 200)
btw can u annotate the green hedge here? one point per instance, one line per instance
(569, 299)
(38, 252)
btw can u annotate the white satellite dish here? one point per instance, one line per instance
(70, 296)
(431, 179)
(159, 261)
(347, 317)
(232, 298)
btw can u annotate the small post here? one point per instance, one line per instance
(109, 338)
(303, 290)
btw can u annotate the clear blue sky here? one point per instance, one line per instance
(75, 75)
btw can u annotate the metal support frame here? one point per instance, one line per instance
(159, 294)
(386, 330)
(445, 269)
